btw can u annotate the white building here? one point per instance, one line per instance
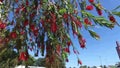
(21, 66)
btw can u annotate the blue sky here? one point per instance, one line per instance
(101, 51)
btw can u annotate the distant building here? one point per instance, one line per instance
(112, 66)
(99, 67)
(21, 66)
(118, 48)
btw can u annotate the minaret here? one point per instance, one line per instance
(118, 48)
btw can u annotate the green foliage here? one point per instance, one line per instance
(8, 58)
(94, 35)
(40, 62)
(62, 11)
(116, 13)
(46, 25)
(103, 22)
(84, 66)
(30, 61)
(94, 67)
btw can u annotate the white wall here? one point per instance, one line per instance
(20, 66)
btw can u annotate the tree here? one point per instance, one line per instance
(105, 66)
(46, 25)
(88, 66)
(101, 66)
(30, 61)
(40, 62)
(94, 67)
(8, 58)
(85, 66)
(113, 66)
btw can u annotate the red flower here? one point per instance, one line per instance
(26, 22)
(32, 15)
(99, 11)
(22, 32)
(78, 23)
(79, 62)
(74, 33)
(53, 17)
(67, 50)
(65, 15)
(53, 27)
(17, 10)
(1, 0)
(32, 27)
(13, 35)
(69, 43)
(82, 42)
(16, 0)
(89, 7)
(23, 8)
(23, 56)
(7, 40)
(2, 25)
(86, 21)
(91, 1)
(27, 2)
(112, 19)
(36, 32)
(58, 49)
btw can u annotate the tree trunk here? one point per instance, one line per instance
(53, 60)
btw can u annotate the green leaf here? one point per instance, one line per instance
(117, 7)
(62, 11)
(70, 8)
(103, 22)
(64, 55)
(94, 35)
(116, 13)
(45, 1)
(87, 14)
